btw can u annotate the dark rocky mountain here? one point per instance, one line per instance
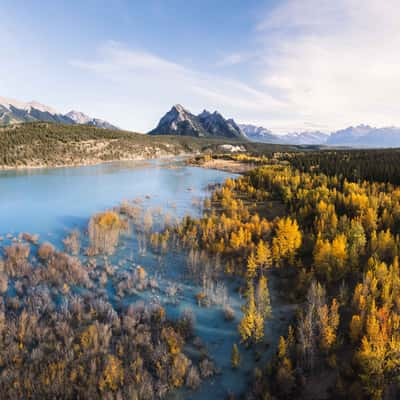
(179, 121)
(216, 125)
(16, 112)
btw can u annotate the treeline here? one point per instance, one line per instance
(348, 262)
(50, 144)
(355, 165)
(337, 254)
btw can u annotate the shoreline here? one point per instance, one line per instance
(5, 168)
(235, 167)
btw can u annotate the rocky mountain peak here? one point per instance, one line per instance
(179, 121)
(15, 112)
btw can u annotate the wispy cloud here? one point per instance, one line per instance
(314, 64)
(334, 63)
(158, 83)
(232, 59)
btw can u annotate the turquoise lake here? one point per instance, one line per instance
(50, 202)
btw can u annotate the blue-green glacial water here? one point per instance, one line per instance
(52, 202)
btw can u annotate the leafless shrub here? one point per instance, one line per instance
(34, 239)
(207, 368)
(193, 379)
(45, 251)
(17, 259)
(229, 313)
(216, 293)
(187, 322)
(64, 268)
(72, 243)
(3, 282)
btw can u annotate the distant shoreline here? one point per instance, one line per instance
(220, 164)
(91, 163)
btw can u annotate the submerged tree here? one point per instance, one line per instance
(104, 230)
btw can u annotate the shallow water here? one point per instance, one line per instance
(51, 202)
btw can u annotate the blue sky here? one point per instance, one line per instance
(289, 65)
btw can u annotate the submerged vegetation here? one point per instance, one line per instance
(73, 323)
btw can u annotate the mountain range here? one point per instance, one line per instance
(179, 121)
(264, 135)
(364, 136)
(15, 112)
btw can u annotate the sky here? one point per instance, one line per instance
(287, 65)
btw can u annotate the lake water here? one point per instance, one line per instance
(52, 201)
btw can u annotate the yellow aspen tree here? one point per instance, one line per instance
(235, 357)
(355, 328)
(251, 269)
(282, 348)
(287, 239)
(258, 327)
(263, 255)
(247, 324)
(339, 255)
(113, 374)
(262, 297)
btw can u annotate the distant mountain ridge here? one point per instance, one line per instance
(83, 119)
(366, 136)
(359, 136)
(179, 121)
(259, 133)
(264, 135)
(16, 112)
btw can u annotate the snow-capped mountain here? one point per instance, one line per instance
(366, 136)
(259, 133)
(179, 121)
(358, 136)
(15, 112)
(264, 135)
(307, 137)
(83, 119)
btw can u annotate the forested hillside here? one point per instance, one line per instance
(47, 144)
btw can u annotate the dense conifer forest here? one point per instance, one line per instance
(381, 165)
